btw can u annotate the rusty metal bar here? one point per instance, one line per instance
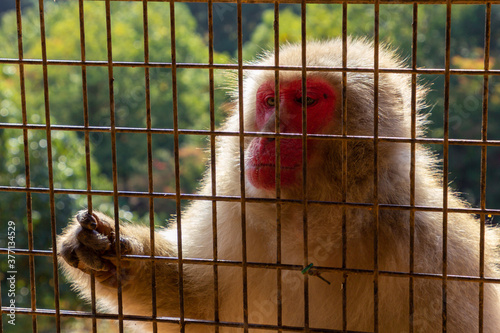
(152, 239)
(81, 13)
(78, 314)
(376, 215)
(279, 285)
(180, 267)
(48, 131)
(412, 165)
(109, 47)
(233, 263)
(304, 163)
(213, 160)
(27, 171)
(446, 129)
(166, 195)
(98, 63)
(344, 167)
(369, 2)
(427, 141)
(484, 161)
(242, 169)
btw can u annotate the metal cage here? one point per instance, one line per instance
(45, 63)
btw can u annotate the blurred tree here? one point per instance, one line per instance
(66, 108)
(65, 83)
(68, 157)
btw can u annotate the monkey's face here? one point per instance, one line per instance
(320, 112)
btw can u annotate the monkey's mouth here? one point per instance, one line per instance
(261, 164)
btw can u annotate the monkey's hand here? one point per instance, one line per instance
(89, 244)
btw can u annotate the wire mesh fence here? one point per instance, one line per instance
(141, 80)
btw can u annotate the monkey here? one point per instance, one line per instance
(331, 190)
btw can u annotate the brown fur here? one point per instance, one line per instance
(324, 225)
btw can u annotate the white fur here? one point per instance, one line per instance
(324, 224)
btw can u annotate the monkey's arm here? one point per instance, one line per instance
(88, 245)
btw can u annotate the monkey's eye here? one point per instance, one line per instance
(309, 101)
(270, 101)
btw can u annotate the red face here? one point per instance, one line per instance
(262, 151)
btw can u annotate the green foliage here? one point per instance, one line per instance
(65, 101)
(68, 160)
(65, 82)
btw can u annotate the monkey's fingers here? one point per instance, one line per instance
(94, 240)
(104, 271)
(87, 220)
(91, 260)
(93, 222)
(126, 245)
(68, 254)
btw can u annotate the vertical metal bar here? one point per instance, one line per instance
(344, 166)
(242, 168)
(50, 165)
(85, 104)
(87, 149)
(109, 47)
(145, 20)
(445, 163)
(304, 162)
(279, 299)
(484, 160)
(27, 173)
(412, 163)
(177, 167)
(213, 166)
(375, 166)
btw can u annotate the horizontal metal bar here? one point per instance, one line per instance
(274, 266)
(107, 129)
(369, 2)
(172, 320)
(133, 64)
(172, 196)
